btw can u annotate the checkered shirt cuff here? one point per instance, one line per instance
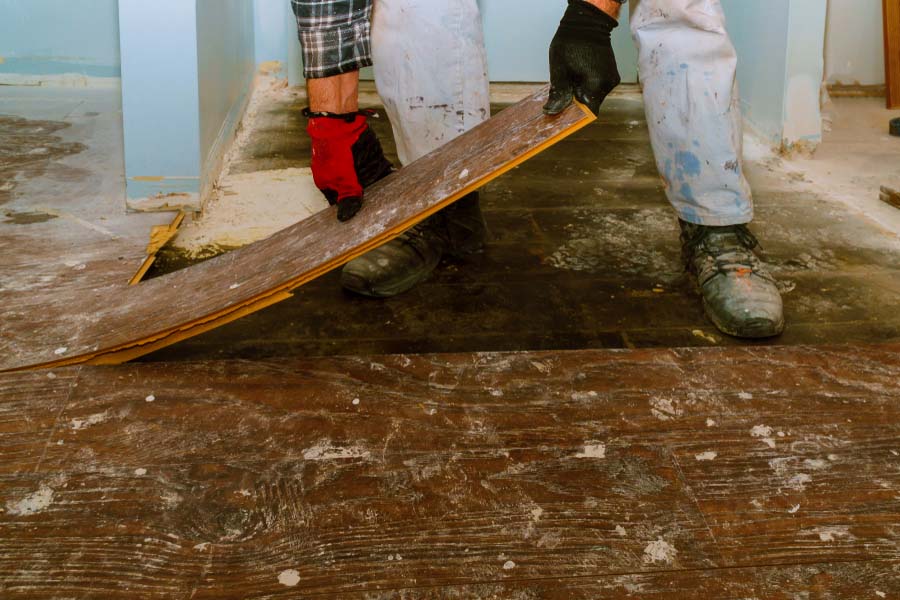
(335, 36)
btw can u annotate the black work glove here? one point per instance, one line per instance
(582, 62)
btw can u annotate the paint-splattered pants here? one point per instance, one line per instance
(687, 65)
(433, 81)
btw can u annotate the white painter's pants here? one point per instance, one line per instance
(431, 73)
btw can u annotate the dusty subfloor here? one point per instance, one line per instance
(583, 253)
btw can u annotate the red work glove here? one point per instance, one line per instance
(346, 158)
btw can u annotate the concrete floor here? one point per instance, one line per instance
(62, 198)
(72, 139)
(583, 251)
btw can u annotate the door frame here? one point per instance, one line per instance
(892, 51)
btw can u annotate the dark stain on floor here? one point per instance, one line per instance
(27, 218)
(28, 148)
(583, 253)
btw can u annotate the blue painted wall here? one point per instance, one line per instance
(51, 37)
(517, 36)
(780, 46)
(759, 30)
(518, 33)
(226, 58)
(187, 67)
(273, 29)
(160, 96)
(805, 71)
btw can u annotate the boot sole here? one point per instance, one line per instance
(758, 330)
(349, 283)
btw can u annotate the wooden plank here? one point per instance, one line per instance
(487, 475)
(29, 406)
(844, 581)
(116, 322)
(890, 196)
(159, 237)
(892, 51)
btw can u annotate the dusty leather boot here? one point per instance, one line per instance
(739, 295)
(402, 263)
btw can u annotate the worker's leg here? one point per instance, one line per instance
(430, 70)
(347, 156)
(687, 66)
(431, 74)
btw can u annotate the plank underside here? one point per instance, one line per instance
(768, 473)
(109, 324)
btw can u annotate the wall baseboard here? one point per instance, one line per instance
(66, 80)
(856, 90)
(215, 158)
(162, 194)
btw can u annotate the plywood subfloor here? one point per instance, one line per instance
(768, 473)
(88, 321)
(583, 252)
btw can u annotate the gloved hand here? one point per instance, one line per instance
(346, 158)
(582, 61)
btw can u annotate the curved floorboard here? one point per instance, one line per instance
(114, 322)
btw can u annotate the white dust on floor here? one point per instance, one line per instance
(31, 504)
(248, 207)
(856, 157)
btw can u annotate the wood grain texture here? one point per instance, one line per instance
(734, 473)
(890, 196)
(159, 237)
(892, 51)
(116, 322)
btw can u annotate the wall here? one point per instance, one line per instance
(226, 59)
(518, 33)
(53, 37)
(780, 66)
(759, 30)
(273, 30)
(805, 71)
(854, 42)
(160, 98)
(187, 69)
(517, 36)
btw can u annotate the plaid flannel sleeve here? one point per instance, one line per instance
(335, 35)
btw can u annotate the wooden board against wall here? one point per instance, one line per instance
(892, 51)
(84, 322)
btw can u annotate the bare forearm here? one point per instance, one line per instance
(608, 6)
(338, 94)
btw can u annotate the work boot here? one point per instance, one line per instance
(739, 295)
(402, 263)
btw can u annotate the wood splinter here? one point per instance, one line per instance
(890, 196)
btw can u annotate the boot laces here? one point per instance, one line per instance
(420, 238)
(710, 251)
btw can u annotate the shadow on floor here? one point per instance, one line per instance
(583, 253)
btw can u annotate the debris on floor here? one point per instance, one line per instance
(890, 196)
(248, 206)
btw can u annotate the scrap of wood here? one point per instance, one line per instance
(159, 237)
(128, 322)
(890, 196)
